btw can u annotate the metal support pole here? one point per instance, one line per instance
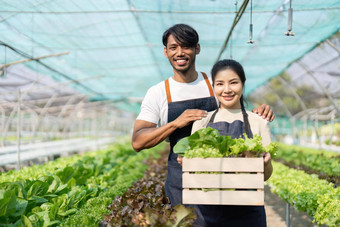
(19, 130)
(6, 128)
(332, 129)
(34, 121)
(294, 131)
(288, 214)
(3, 116)
(96, 128)
(316, 126)
(306, 129)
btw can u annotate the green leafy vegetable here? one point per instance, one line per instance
(208, 142)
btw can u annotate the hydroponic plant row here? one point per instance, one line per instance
(325, 164)
(49, 198)
(319, 198)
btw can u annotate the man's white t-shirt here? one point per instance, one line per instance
(154, 107)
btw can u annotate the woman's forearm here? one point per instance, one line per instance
(268, 170)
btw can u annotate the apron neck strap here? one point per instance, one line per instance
(213, 116)
(246, 125)
(167, 87)
(208, 84)
(167, 90)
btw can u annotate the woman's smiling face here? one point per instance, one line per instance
(228, 89)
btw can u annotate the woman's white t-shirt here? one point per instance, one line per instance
(258, 125)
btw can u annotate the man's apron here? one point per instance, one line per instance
(230, 215)
(173, 184)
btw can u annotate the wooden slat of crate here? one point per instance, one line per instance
(255, 181)
(223, 164)
(252, 198)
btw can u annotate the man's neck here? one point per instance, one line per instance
(186, 77)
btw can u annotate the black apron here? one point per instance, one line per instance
(232, 215)
(173, 184)
(207, 215)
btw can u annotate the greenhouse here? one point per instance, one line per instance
(158, 112)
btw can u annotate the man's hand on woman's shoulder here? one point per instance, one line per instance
(265, 112)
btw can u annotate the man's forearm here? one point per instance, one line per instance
(149, 137)
(146, 134)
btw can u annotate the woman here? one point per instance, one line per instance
(232, 119)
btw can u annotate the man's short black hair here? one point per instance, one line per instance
(183, 34)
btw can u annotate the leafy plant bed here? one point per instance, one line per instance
(145, 203)
(307, 193)
(132, 169)
(38, 169)
(321, 162)
(335, 179)
(50, 197)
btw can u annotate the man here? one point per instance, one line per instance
(176, 102)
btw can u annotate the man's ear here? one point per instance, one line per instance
(198, 48)
(165, 52)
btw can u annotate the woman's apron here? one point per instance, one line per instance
(173, 184)
(230, 215)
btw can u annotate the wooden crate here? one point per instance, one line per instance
(244, 176)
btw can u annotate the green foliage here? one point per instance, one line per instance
(33, 172)
(125, 174)
(208, 142)
(324, 161)
(307, 193)
(47, 197)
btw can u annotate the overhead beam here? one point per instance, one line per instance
(30, 59)
(324, 90)
(236, 20)
(51, 69)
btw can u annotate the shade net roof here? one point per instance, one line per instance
(112, 49)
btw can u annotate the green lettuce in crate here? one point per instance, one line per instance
(208, 142)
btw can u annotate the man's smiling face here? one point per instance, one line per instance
(180, 57)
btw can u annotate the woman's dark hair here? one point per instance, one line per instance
(183, 34)
(228, 64)
(238, 69)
